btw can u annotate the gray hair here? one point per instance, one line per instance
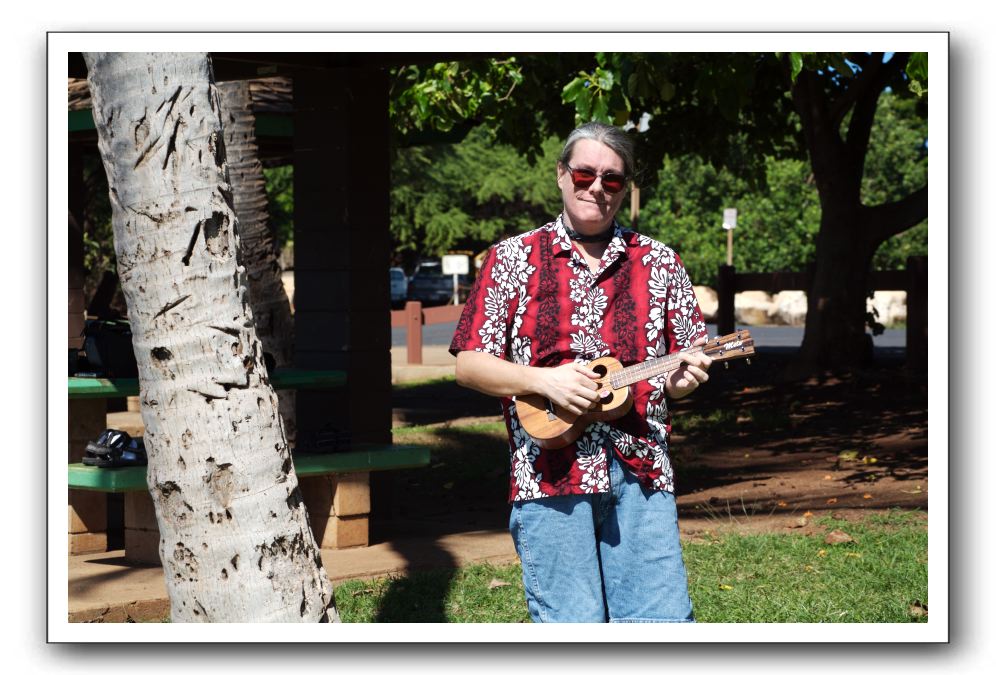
(612, 137)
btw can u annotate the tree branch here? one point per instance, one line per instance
(866, 102)
(887, 220)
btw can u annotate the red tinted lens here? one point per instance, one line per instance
(613, 182)
(582, 177)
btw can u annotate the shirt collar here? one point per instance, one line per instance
(621, 238)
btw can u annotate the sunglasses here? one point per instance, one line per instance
(612, 182)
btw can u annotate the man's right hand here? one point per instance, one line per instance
(571, 386)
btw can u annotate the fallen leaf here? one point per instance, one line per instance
(832, 500)
(498, 583)
(869, 460)
(799, 522)
(807, 514)
(852, 555)
(838, 537)
(363, 591)
(866, 495)
(848, 454)
(828, 477)
(448, 486)
(725, 587)
(822, 553)
(809, 568)
(915, 491)
(918, 609)
(783, 503)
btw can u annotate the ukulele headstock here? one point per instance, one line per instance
(738, 345)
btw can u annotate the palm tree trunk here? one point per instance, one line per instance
(234, 535)
(257, 247)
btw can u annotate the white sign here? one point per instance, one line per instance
(456, 264)
(729, 219)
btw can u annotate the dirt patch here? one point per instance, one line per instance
(751, 452)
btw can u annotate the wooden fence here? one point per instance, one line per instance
(414, 316)
(913, 280)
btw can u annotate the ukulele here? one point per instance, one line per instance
(552, 427)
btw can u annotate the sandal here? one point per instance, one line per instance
(115, 448)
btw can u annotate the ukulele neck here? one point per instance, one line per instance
(733, 346)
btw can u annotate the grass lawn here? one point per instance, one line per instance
(880, 576)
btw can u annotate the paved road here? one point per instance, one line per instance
(765, 337)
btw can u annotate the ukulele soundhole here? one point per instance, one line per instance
(602, 371)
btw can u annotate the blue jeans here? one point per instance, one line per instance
(605, 557)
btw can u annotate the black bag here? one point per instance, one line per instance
(108, 348)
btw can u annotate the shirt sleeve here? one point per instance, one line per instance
(483, 325)
(684, 318)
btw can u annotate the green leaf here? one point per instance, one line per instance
(795, 59)
(583, 105)
(668, 91)
(605, 78)
(916, 68)
(573, 89)
(600, 109)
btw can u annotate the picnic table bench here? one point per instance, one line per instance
(335, 486)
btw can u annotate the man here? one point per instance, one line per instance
(594, 522)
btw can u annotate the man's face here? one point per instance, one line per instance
(590, 209)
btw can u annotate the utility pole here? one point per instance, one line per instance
(729, 224)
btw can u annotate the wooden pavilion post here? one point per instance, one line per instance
(342, 299)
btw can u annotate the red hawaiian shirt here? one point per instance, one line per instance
(536, 302)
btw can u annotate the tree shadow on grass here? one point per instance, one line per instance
(464, 489)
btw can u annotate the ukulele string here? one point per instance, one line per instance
(648, 369)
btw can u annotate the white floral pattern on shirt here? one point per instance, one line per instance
(592, 459)
(504, 305)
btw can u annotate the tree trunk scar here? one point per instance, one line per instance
(170, 306)
(171, 148)
(216, 145)
(226, 194)
(190, 246)
(209, 390)
(232, 330)
(222, 484)
(171, 100)
(147, 152)
(142, 130)
(216, 234)
(168, 488)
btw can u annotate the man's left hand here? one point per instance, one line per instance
(690, 374)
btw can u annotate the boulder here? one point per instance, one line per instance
(891, 306)
(708, 302)
(788, 308)
(752, 307)
(288, 281)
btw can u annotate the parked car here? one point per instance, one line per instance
(399, 287)
(430, 286)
